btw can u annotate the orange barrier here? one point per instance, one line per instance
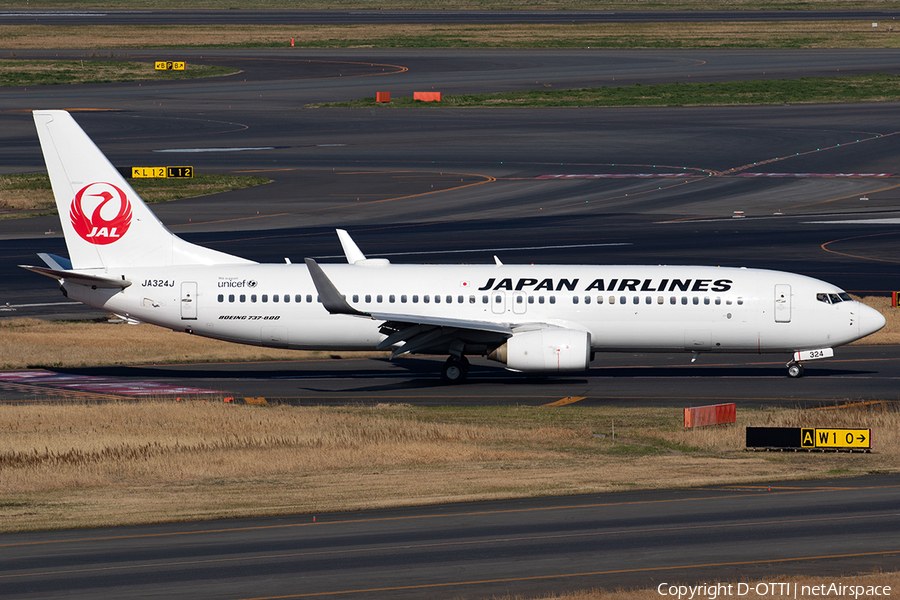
(893, 298)
(427, 96)
(382, 96)
(714, 414)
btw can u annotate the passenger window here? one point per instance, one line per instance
(265, 297)
(275, 298)
(622, 300)
(520, 299)
(498, 299)
(437, 299)
(355, 298)
(636, 300)
(718, 301)
(460, 299)
(368, 298)
(672, 300)
(684, 299)
(308, 298)
(530, 299)
(552, 299)
(587, 299)
(379, 298)
(403, 299)
(298, 298)
(660, 300)
(391, 298)
(471, 299)
(484, 299)
(740, 300)
(648, 300)
(252, 297)
(243, 298)
(221, 298)
(612, 299)
(696, 300)
(599, 299)
(540, 299)
(231, 297)
(287, 297)
(415, 298)
(574, 299)
(449, 299)
(706, 300)
(426, 299)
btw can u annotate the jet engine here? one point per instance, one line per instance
(552, 349)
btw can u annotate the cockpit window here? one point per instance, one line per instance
(833, 298)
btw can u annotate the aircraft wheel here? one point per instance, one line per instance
(795, 370)
(455, 370)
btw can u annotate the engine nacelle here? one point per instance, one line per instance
(552, 349)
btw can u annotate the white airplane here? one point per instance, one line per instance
(532, 318)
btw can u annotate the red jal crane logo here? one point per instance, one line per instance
(99, 229)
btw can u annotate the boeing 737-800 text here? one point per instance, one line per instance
(533, 318)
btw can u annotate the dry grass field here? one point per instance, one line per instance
(784, 34)
(89, 465)
(36, 343)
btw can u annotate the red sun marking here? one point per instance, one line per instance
(96, 229)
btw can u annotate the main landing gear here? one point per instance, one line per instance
(795, 370)
(455, 369)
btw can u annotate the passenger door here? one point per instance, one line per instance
(782, 303)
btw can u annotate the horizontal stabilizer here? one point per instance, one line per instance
(94, 281)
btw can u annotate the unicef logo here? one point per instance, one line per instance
(251, 283)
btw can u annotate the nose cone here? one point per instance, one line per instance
(870, 320)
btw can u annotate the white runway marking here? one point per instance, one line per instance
(890, 221)
(194, 150)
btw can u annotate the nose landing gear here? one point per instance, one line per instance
(794, 369)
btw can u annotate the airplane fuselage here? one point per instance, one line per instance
(633, 308)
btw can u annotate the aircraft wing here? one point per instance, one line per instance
(417, 332)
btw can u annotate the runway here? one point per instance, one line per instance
(725, 534)
(856, 374)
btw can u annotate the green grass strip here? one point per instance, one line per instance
(856, 88)
(22, 194)
(55, 72)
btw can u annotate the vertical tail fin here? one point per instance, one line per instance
(105, 222)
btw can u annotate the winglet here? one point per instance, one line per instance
(351, 250)
(331, 298)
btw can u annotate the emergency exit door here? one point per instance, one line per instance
(782, 303)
